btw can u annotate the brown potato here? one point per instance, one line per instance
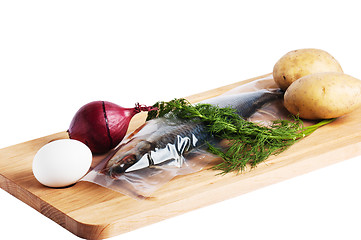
(323, 95)
(302, 62)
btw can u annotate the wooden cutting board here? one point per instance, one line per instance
(94, 212)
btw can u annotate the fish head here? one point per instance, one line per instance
(127, 156)
(121, 164)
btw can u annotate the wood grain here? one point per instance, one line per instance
(94, 212)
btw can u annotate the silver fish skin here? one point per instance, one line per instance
(176, 138)
(246, 104)
(158, 140)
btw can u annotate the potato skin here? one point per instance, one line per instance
(302, 62)
(323, 96)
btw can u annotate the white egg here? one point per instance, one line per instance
(61, 163)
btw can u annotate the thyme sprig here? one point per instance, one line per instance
(249, 142)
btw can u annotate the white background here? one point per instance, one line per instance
(56, 56)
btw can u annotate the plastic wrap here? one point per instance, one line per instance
(180, 152)
(162, 149)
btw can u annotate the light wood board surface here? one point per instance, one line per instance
(94, 212)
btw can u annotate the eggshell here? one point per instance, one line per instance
(61, 163)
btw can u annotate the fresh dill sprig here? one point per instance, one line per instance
(249, 143)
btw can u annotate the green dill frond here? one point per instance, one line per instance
(249, 143)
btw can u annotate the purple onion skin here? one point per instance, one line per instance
(102, 125)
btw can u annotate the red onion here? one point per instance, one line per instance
(102, 125)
